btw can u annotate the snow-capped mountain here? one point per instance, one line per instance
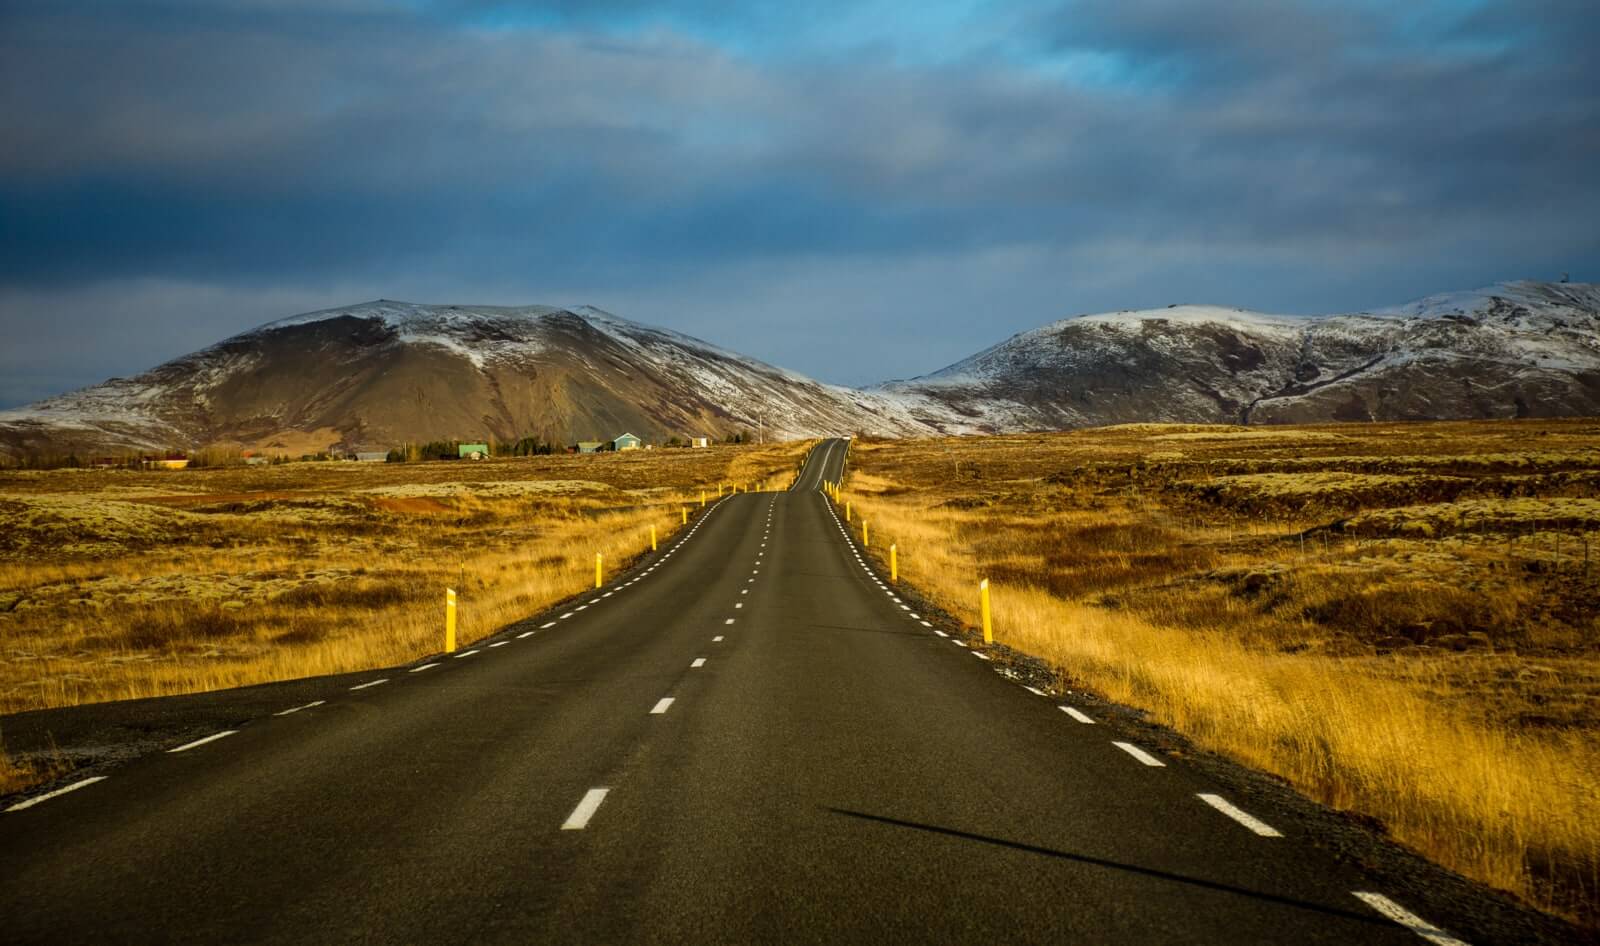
(381, 373)
(385, 372)
(1511, 350)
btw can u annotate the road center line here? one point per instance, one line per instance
(1140, 754)
(200, 742)
(297, 709)
(717, 639)
(1407, 919)
(363, 686)
(579, 819)
(662, 705)
(1248, 820)
(465, 653)
(422, 668)
(85, 783)
(698, 662)
(524, 634)
(728, 621)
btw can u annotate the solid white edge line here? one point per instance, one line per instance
(1243, 817)
(662, 705)
(57, 793)
(363, 686)
(579, 819)
(1407, 919)
(422, 668)
(297, 709)
(1140, 754)
(200, 742)
(698, 662)
(1077, 714)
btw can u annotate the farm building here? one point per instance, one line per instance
(473, 451)
(626, 442)
(372, 456)
(588, 446)
(699, 441)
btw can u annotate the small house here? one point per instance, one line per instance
(473, 451)
(626, 442)
(699, 441)
(588, 446)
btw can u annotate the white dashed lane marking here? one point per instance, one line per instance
(297, 709)
(499, 643)
(698, 662)
(717, 639)
(1249, 821)
(662, 705)
(85, 783)
(728, 621)
(1077, 714)
(579, 819)
(465, 653)
(200, 742)
(526, 633)
(363, 686)
(1140, 754)
(1407, 919)
(422, 668)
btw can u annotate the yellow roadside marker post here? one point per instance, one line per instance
(449, 620)
(866, 534)
(894, 563)
(685, 511)
(652, 538)
(702, 498)
(598, 559)
(988, 625)
(846, 512)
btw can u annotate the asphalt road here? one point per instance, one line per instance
(747, 738)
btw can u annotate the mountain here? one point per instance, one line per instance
(1516, 349)
(381, 373)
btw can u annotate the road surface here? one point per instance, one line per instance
(748, 738)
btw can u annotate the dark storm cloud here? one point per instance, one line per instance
(709, 165)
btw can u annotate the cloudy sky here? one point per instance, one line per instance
(859, 191)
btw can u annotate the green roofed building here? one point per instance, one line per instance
(473, 451)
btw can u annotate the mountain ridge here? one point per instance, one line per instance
(383, 372)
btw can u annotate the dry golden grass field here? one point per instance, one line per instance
(117, 584)
(1403, 620)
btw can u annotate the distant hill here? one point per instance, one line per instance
(1523, 349)
(384, 372)
(381, 373)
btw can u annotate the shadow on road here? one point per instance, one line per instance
(1114, 865)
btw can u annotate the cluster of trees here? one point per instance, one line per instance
(451, 449)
